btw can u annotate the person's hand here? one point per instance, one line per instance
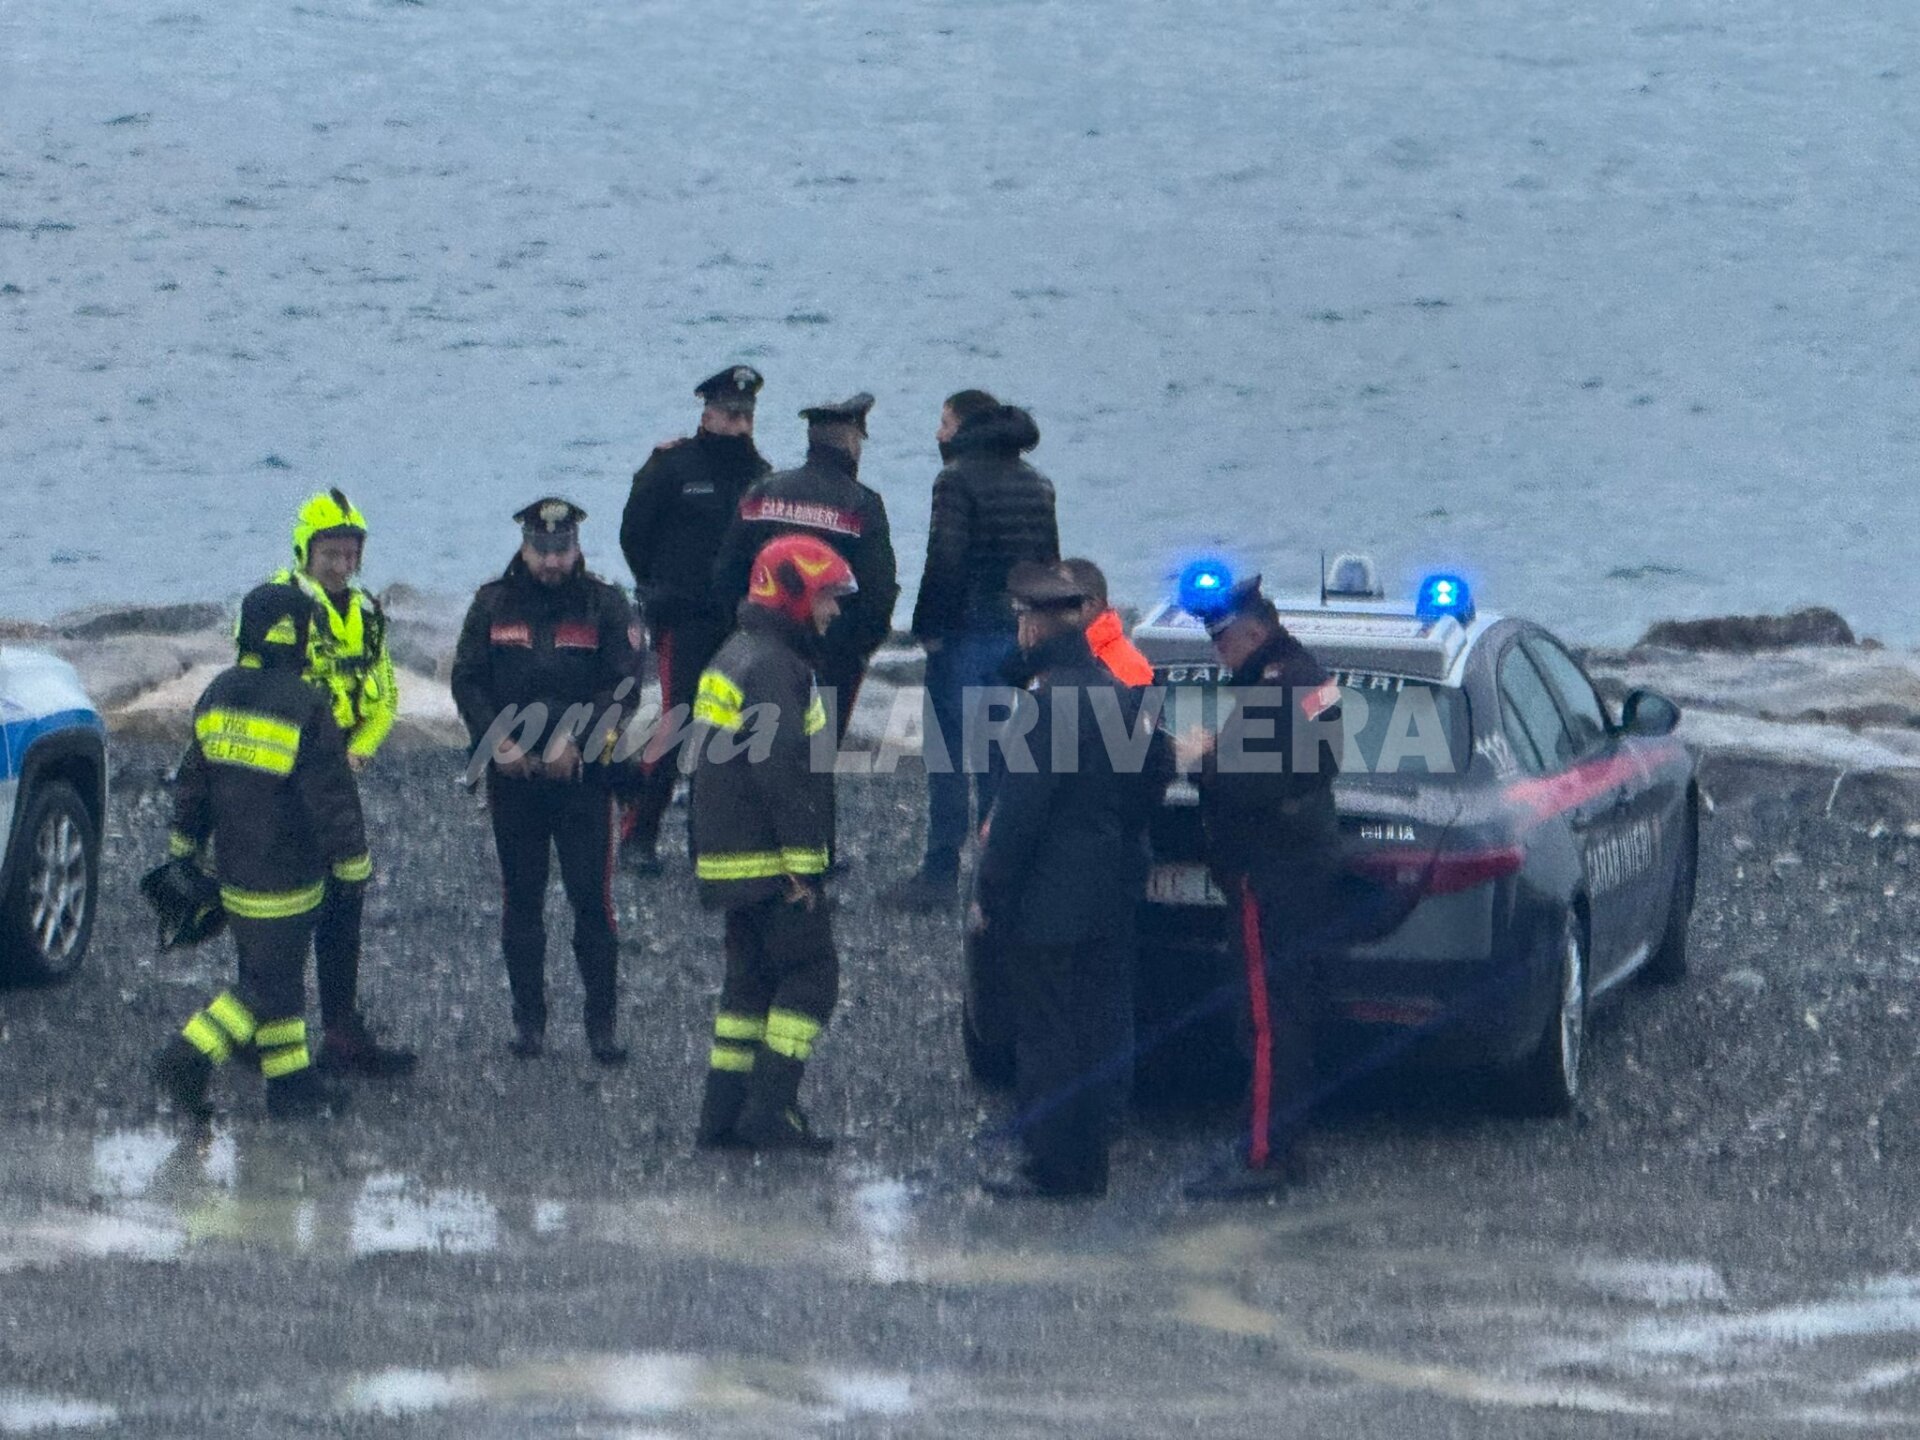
(357, 762)
(514, 762)
(931, 644)
(976, 918)
(1191, 749)
(802, 894)
(563, 760)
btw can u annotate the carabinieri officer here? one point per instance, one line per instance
(545, 657)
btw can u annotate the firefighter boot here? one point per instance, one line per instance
(720, 1108)
(182, 1073)
(772, 1119)
(303, 1095)
(351, 1048)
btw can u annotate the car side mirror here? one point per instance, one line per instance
(1647, 713)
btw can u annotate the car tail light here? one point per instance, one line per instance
(1445, 872)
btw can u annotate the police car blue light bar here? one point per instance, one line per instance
(1444, 595)
(1204, 586)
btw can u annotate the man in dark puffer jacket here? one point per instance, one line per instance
(991, 511)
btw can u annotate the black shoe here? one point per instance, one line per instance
(789, 1132)
(922, 893)
(1022, 1184)
(606, 1050)
(182, 1073)
(303, 1095)
(1239, 1181)
(352, 1049)
(641, 859)
(529, 1041)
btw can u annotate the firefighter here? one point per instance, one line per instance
(347, 657)
(824, 498)
(762, 824)
(682, 502)
(1058, 881)
(265, 783)
(544, 661)
(1266, 802)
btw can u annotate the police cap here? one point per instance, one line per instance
(1243, 602)
(551, 524)
(734, 388)
(851, 411)
(1032, 585)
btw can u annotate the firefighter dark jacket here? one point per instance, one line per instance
(762, 810)
(1267, 805)
(824, 498)
(1062, 863)
(683, 501)
(559, 647)
(266, 780)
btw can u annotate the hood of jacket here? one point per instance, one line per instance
(1005, 430)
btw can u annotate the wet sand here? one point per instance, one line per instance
(1720, 1242)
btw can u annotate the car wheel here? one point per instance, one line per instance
(48, 914)
(1547, 1082)
(1668, 964)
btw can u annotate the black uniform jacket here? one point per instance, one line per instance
(824, 498)
(1267, 810)
(561, 646)
(266, 779)
(1062, 863)
(761, 810)
(682, 503)
(991, 510)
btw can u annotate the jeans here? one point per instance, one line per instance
(966, 661)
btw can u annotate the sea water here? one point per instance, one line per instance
(1609, 307)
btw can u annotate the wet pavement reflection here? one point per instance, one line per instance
(1372, 1296)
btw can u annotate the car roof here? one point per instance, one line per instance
(1372, 637)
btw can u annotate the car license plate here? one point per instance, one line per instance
(1182, 884)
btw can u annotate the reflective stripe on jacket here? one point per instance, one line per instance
(762, 808)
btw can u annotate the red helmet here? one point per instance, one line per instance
(790, 573)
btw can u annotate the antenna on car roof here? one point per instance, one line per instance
(1323, 579)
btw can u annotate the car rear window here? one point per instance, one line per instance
(1394, 726)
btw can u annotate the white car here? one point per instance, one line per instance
(53, 805)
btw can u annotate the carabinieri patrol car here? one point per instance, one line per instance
(1513, 848)
(53, 805)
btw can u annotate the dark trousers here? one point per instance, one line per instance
(336, 951)
(272, 979)
(839, 678)
(964, 663)
(531, 820)
(780, 957)
(1069, 1048)
(1279, 925)
(680, 652)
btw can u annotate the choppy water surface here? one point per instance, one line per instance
(1607, 307)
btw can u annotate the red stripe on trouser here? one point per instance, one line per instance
(606, 876)
(663, 652)
(1261, 1109)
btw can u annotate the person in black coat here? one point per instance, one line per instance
(683, 501)
(1057, 884)
(824, 498)
(991, 511)
(544, 660)
(1273, 842)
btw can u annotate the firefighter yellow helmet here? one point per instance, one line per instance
(328, 513)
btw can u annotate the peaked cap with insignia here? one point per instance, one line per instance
(734, 388)
(851, 411)
(551, 524)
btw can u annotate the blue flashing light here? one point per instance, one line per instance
(1444, 595)
(1204, 587)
